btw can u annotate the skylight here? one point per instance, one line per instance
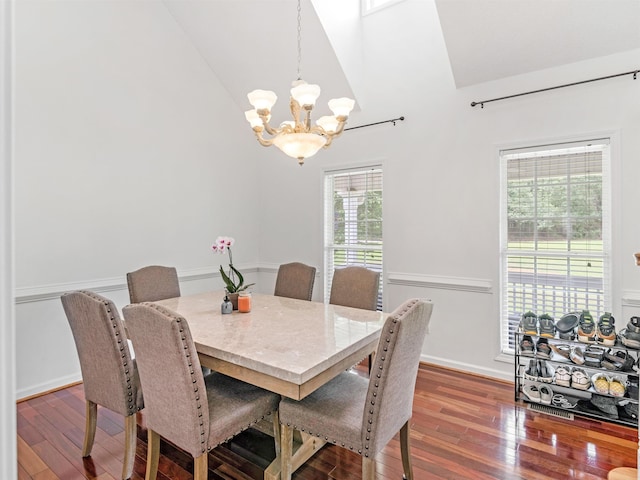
(370, 6)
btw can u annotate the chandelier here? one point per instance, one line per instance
(298, 138)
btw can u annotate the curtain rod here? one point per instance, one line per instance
(393, 120)
(482, 102)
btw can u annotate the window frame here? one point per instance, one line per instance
(329, 246)
(608, 217)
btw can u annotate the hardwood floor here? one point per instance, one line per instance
(463, 427)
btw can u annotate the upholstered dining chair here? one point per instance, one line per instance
(295, 280)
(152, 283)
(364, 414)
(355, 287)
(109, 374)
(196, 413)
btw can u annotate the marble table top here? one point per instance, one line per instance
(291, 340)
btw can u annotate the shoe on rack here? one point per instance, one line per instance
(576, 355)
(526, 346)
(618, 361)
(546, 394)
(547, 326)
(633, 386)
(566, 326)
(630, 336)
(601, 383)
(579, 379)
(543, 348)
(545, 372)
(563, 376)
(605, 404)
(617, 386)
(532, 393)
(529, 323)
(586, 328)
(531, 373)
(593, 356)
(561, 349)
(606, 330)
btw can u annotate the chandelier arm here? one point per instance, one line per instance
(261, 140)
(270, 130)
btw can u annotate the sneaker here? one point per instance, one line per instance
(543, 348)
(531, 373)
(576, 356)
(532, 393)
(547, 326)
(629, 338)
(617, 387)
(529, 323)
(618, 361)
(546, 394)
(606, 330)
(601, 383)
(526, 346)
(545, 372)
(586, 328)
(579, 379)
(563, 376)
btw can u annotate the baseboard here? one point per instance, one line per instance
(468, 368)
(49, 386)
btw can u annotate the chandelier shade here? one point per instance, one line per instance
(298, 138)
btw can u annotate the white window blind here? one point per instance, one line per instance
(555, 232)
(353, 222)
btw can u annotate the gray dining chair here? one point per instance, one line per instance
(295, 280)
(109, 374)
(355, 287)
(152, 283)
(196, 413)
(364, 414)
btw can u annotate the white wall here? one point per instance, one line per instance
(128, 153)
(441, 177)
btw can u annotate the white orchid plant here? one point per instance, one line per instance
(222, 245)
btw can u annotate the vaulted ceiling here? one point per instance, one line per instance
(251, 44)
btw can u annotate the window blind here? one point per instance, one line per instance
(555, 232)
(353, 222)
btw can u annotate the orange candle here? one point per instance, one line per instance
(244, 302)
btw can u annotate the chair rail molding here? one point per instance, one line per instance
(631, 298)
(474, 285)
(103, 285)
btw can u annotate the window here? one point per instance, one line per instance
(370, 6)
(353, 222)
(555, 232)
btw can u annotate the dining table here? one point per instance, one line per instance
(287, 346)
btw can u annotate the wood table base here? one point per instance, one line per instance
(304, 447)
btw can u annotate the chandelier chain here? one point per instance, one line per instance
(299, 40)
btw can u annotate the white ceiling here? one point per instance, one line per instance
(251, 44)
(491, 39)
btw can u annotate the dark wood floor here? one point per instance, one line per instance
(463, 427)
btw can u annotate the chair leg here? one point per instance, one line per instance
(405, 451)
(368, 468)
(201, 467)
(153, 454)
(129, 446)
(91, 419)
(370, 363)
(276, 432)
(286, 452)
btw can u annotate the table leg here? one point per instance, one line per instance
(304, 447)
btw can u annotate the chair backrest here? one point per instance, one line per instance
(109, 374)
(176, 404)
(153, 283)
(355, 287)
(295, 280)
(393, 376)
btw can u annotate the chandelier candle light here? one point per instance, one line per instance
(298, 138)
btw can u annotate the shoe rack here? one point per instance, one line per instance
(534, 372)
